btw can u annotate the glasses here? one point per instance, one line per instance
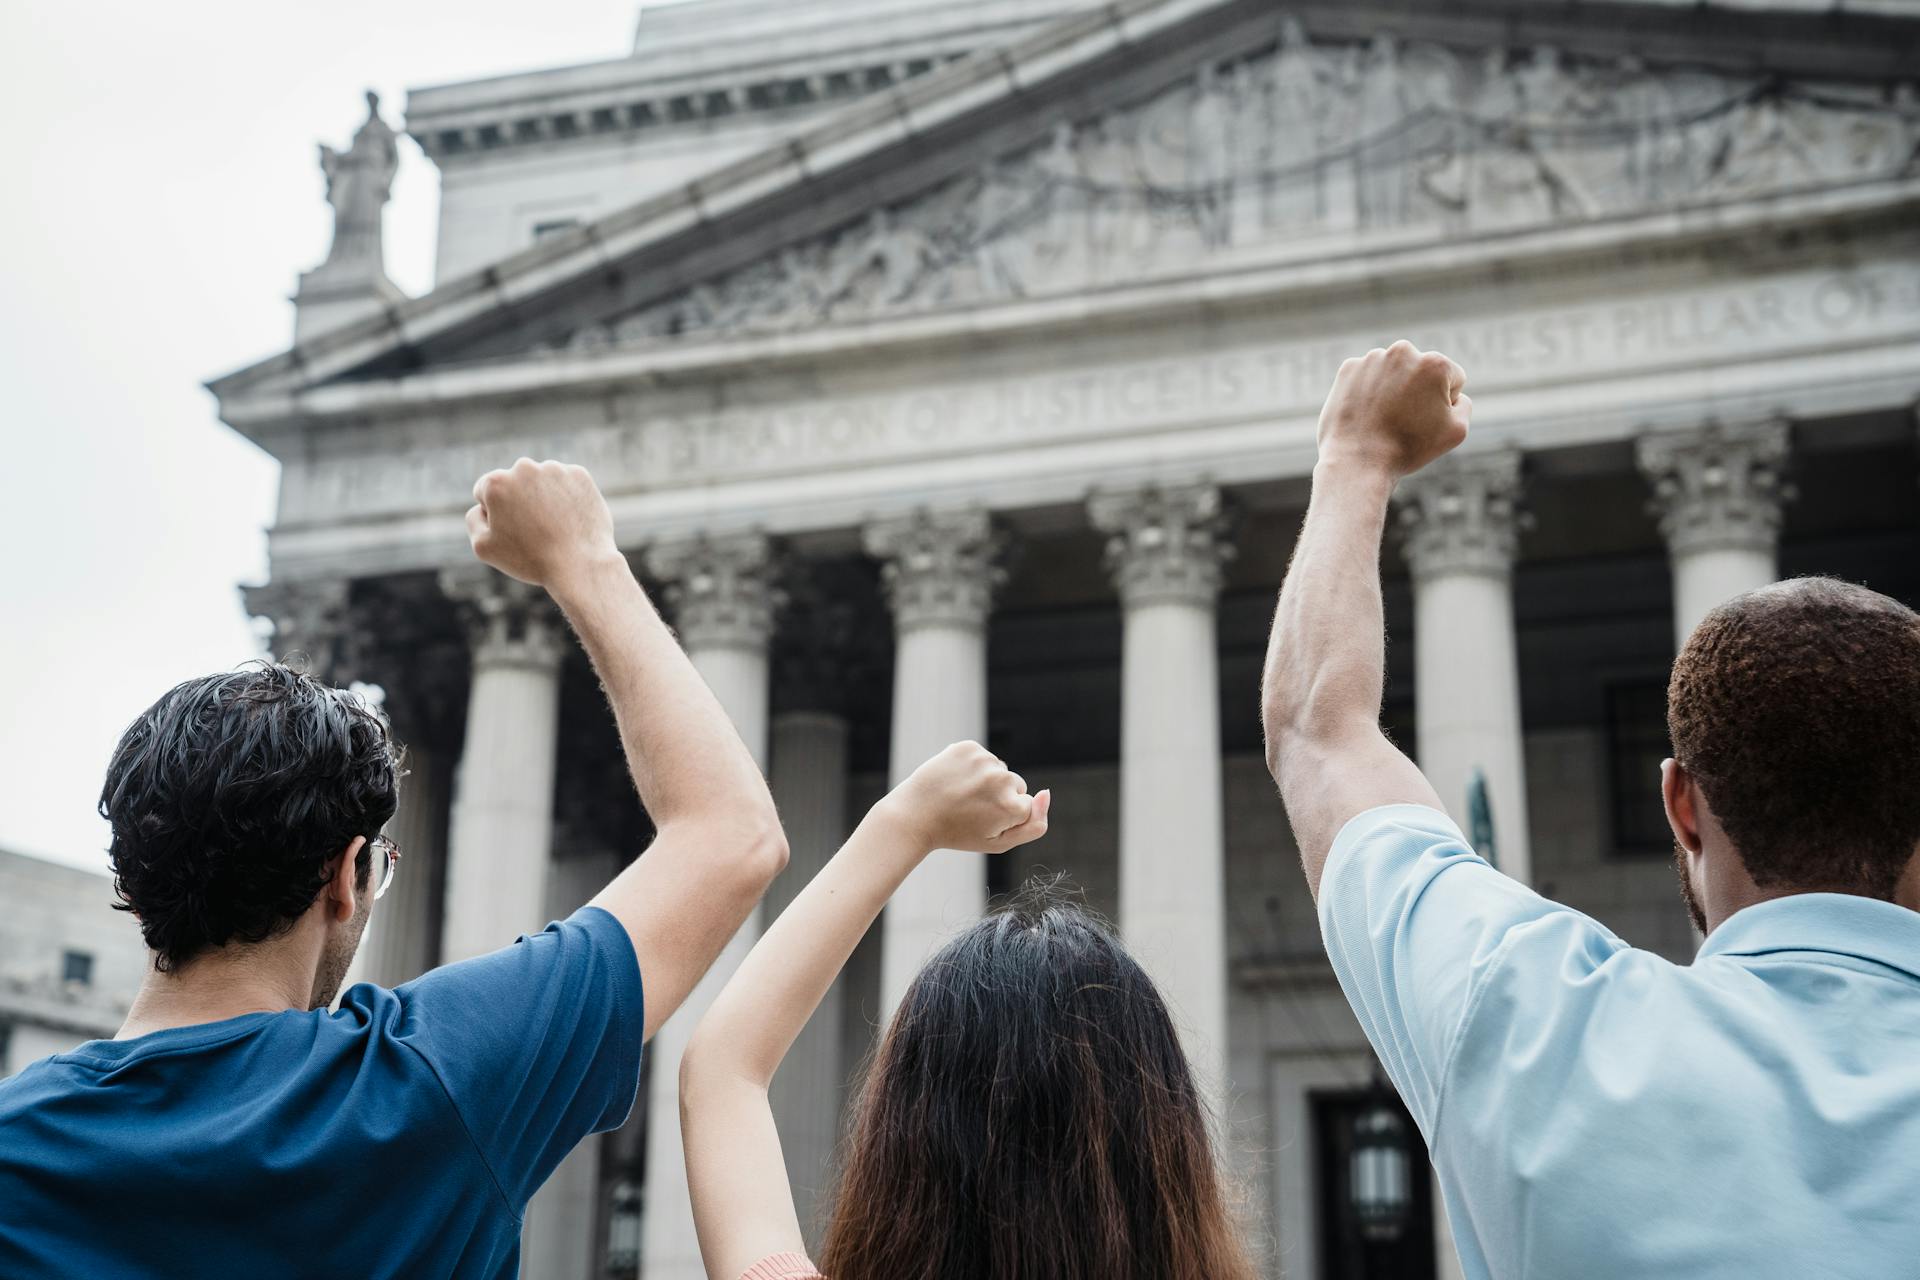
(389, 854)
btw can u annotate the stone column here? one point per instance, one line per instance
(721, 593)
(309, 619)
(939, 575)
(1718, 492)
(501, 828)
(810, 788)
(1166, 552)
(563, 1222)
(398, 946)
(1461, 526)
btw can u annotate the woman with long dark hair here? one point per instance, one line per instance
(1028, 1114)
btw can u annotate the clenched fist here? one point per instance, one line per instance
(1396, 408)
(538, 521)
(965, 798)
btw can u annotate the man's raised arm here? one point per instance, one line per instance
(1390, 413)
(719, 843)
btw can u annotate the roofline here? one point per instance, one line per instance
(864, 128)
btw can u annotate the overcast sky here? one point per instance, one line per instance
(163, 194)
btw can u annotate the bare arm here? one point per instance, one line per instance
(1390, 413)
(718, 842)
(964, 798)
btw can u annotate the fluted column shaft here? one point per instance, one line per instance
(809, 784)
(1166, 550)
(939, 575)
(1718, 493)
(1461, 526)
(398, 946)
(721, 593)
(501, 828)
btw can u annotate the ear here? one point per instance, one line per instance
(1678, 792)
(343, 888)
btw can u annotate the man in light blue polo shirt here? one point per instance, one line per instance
(1592, 1109)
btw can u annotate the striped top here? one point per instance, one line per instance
(783, 1266)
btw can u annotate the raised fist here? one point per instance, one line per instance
(965, 798)
(536, 521)
(1396, 408)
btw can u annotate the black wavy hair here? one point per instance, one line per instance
(230, 796)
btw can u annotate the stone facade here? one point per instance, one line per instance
(69, 963)
(978, 399)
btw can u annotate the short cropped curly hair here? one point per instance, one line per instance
(230, 796)
(1797, 710)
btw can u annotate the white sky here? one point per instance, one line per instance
(163, 193)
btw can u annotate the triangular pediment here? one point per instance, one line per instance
(1160, 140)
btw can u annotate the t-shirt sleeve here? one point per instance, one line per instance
(538, 1044)
(1416, 923)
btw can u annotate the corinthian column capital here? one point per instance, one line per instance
(1462, 515)
(1165, 545)
(509, 623)
(1719, 487)
(309, 618)
(721, 590)
(938, 570)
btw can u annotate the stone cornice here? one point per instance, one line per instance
(1166, 545)
(1721, 487)
(1283, 276)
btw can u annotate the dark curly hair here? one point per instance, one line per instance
(230, 796)
(1797, 710)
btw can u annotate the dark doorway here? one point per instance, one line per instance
(1376, 1194)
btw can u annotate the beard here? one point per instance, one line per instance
(1687, 895)
(337, 958)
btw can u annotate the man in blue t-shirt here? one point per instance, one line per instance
(235, 1127)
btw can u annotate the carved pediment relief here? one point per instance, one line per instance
(1306, 139)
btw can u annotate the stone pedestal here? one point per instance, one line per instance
(1718, 494)
(1166, 551)
(939, 575)
(1461, 527)
(722, 597)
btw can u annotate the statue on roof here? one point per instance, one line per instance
(359, 180)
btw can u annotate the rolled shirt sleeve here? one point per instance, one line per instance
(1416, 924)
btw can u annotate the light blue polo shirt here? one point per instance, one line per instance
(1595, 1110)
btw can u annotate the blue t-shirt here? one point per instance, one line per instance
(399, 1136)
(1594, 1110)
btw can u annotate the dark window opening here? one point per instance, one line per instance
(77, 967)
(1376, 1191)
(553, 227)
(1636, 744)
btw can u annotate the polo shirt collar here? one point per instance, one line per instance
(1839, 923)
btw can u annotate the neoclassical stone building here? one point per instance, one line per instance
(952, 371)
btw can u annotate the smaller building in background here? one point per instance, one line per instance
(69, 963)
